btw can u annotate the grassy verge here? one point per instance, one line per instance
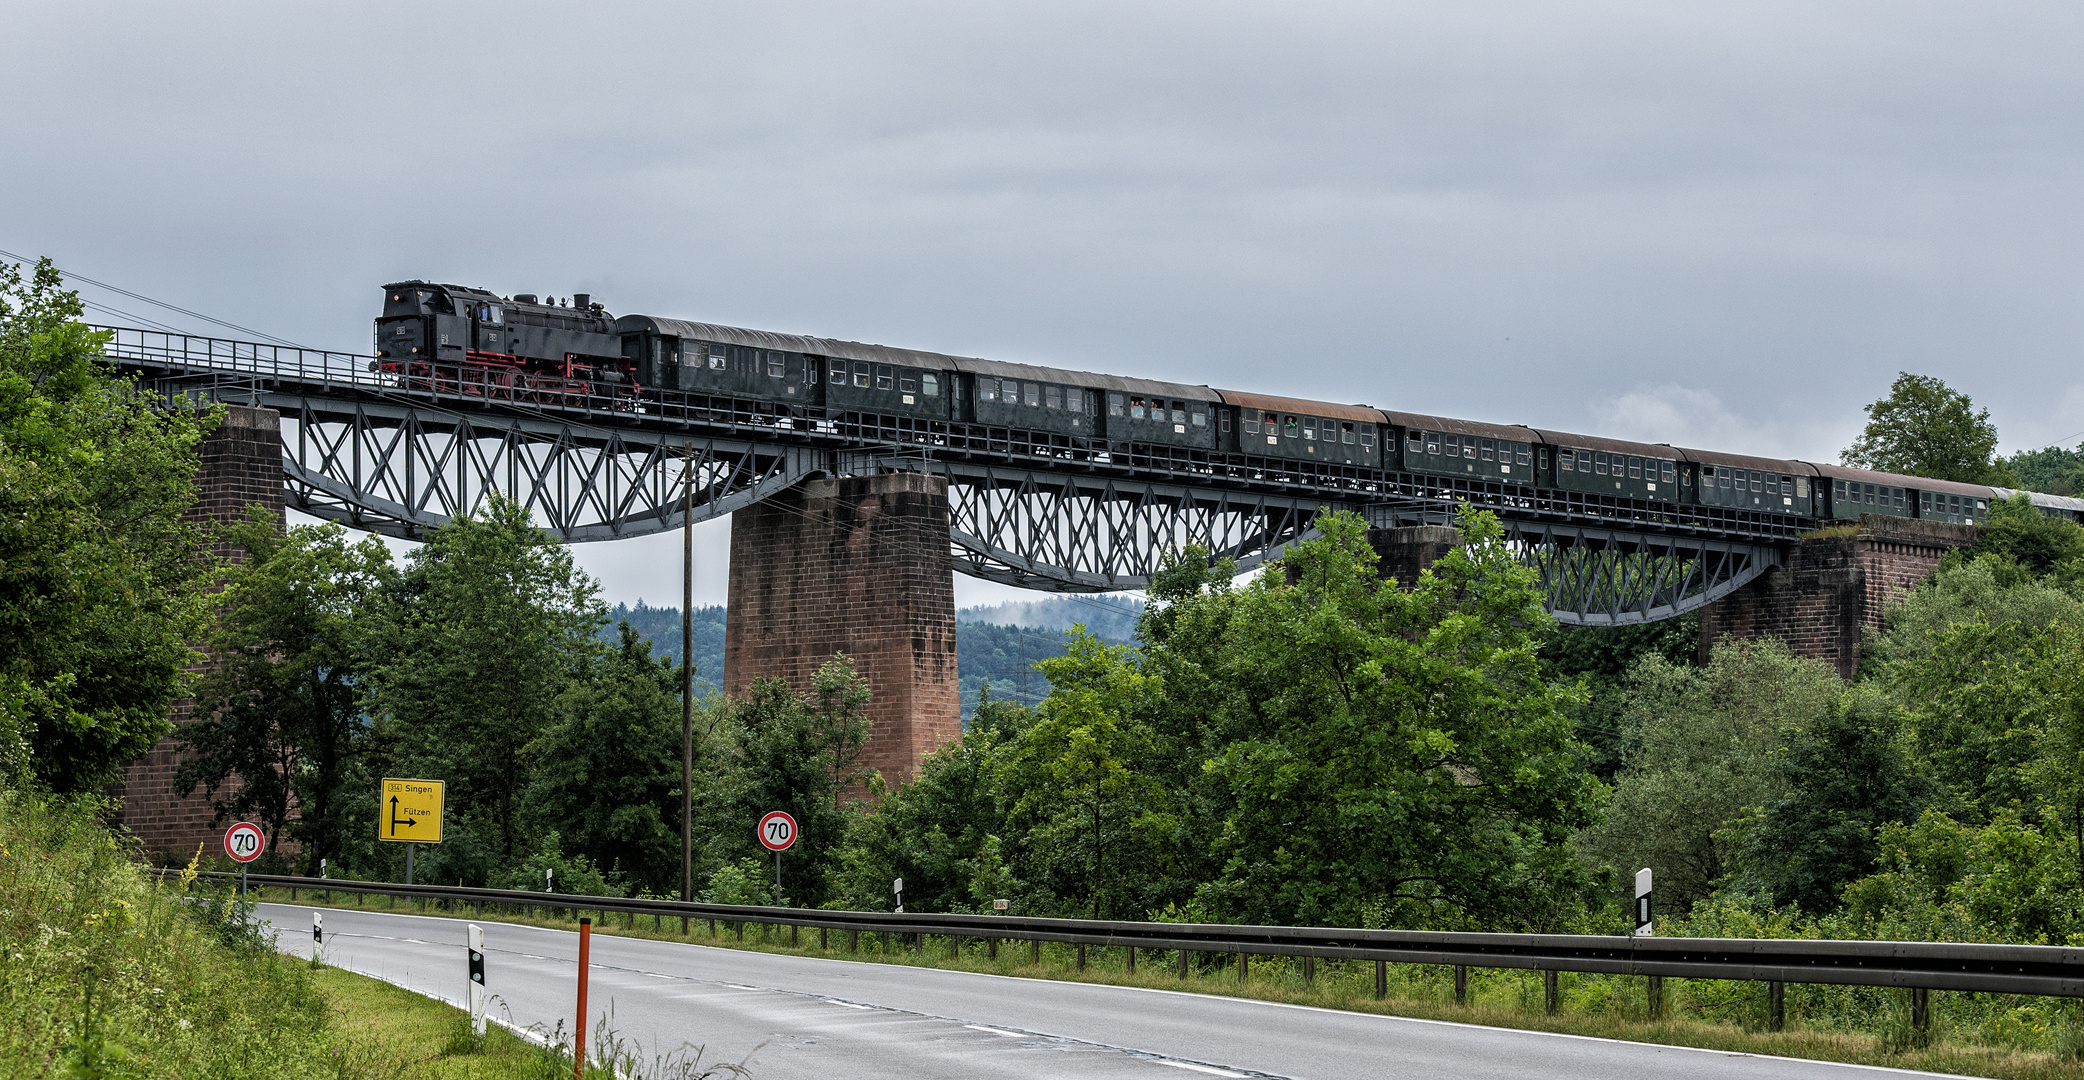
(1971, 1034)
(105, 973)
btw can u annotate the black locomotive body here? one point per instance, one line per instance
(453, 339)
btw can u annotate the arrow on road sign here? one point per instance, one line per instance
(395, 819)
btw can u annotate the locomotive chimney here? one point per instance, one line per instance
(580, 300)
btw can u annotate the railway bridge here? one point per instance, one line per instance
(847, 527)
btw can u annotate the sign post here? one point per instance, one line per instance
(777, 832)
(409, 812)
(897, 888)
(476, 944)
(244, 842)
(318, 937)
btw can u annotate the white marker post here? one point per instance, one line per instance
(318, 936)
(476, 939)
(1653, 985)
(897, 886)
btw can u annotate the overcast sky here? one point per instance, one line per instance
(1718, 224)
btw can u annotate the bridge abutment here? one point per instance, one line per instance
(241, 465)
(1829, 589)
(858, 565)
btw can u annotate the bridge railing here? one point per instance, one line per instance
(2044, 970)
(247, 357)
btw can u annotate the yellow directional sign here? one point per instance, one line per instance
(409, 811)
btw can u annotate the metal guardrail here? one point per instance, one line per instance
(2045, 970)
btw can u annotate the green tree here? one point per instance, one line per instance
(1602, 657)
(1923, 428)
(605, 775)
(1700, 746)
(103, 580)
(1975, 703)
(781, 750)
(485, 629)
(1087, 811)
(942, 832)
(279, 723)
(1376, 753)
(2019, 534)
(2051, 470)
(1846, 776)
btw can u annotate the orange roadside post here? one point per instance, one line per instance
(579, 1033)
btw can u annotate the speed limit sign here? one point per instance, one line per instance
(777, 831)
(243, 842)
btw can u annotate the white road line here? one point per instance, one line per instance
(1209, 1069)
(996, 1031)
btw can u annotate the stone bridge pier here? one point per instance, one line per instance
(1829, 590)
(859, 565)
(241, 465)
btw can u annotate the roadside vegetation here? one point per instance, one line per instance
(110, 972)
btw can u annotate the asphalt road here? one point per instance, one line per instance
(827, 1019)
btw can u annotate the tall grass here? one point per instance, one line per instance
(103, 974)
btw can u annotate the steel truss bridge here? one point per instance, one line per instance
(1030, 509)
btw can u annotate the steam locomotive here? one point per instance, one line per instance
(470, 342)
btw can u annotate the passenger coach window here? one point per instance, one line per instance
(1136, 408)
(1293, 428)
(839, 372)
(1566, 462)
(1115, 406)
(1488, 450)
(1525, 456)
(1599, 463)
(1432, 442)
(1179, 412)
(1053, 397)
(883, 377)
(1635, 468)
(1310, 428)
(1200, 415)
(777, 364)
(1032, 394)
(1668, 471)
(1417, 439)
(931, 384)
(861, 374)
(1346, 434)
(908, 384)
(987, 389)
(1251, 421)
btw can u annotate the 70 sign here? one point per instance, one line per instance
(777, 831)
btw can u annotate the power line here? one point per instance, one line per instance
(69, 276)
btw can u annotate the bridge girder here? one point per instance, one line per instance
(366, 454)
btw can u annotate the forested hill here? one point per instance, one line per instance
(997, 644)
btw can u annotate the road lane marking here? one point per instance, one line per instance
(996, 1031)
(1209, 1069)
